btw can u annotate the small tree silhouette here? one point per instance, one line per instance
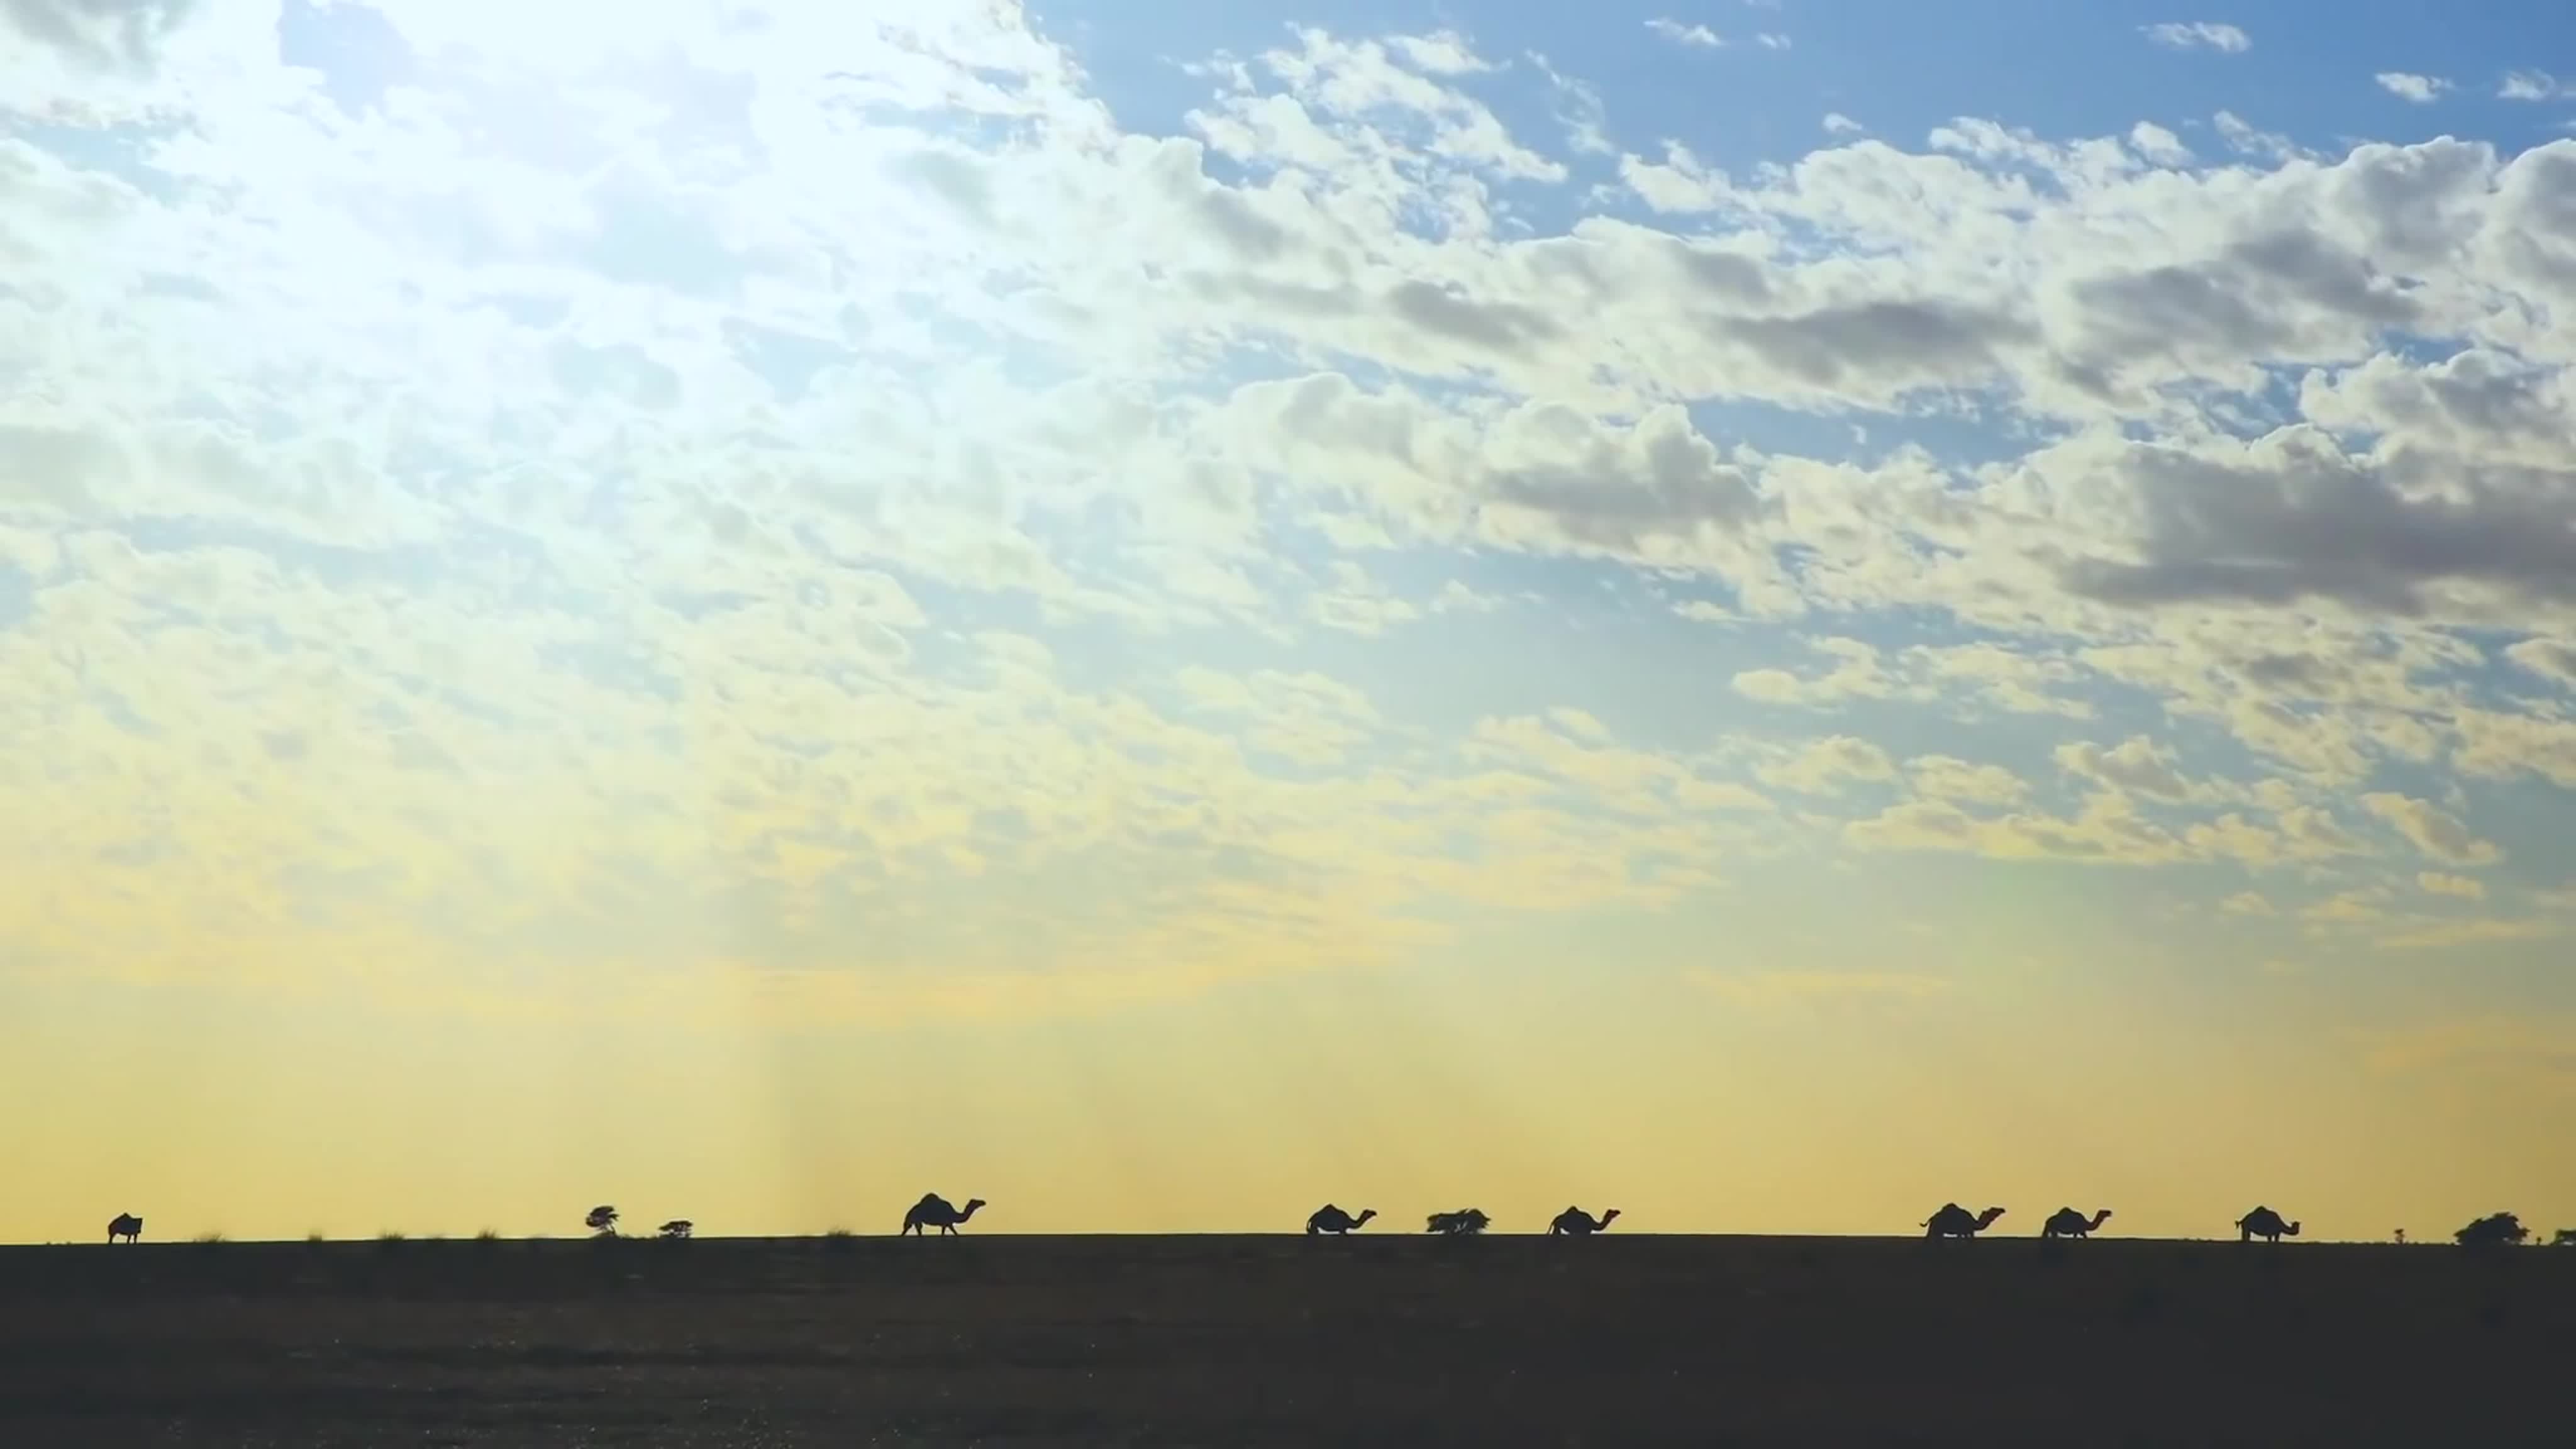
(602, 1220)
(677, 1228)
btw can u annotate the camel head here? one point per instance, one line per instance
(968, 1210)
(1987, 1218)
(2289, 1230)
(2100, 1216)
(1365, 1215)
(1607, 1216)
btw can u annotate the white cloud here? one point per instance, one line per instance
(2159, 145)
(1838, 124)
(2530, 85)
(351, 379)
(2198, 35)
(1699, 36)
(2406, 86)
(1772, 40)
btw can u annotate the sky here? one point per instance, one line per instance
(1768, 614)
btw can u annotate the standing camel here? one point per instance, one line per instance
(126, 1226)
(2265, 1224)
(1332, 1220)
(2066, 1222)
(934, 1211)
(1954, 1221)
(1574, 1222)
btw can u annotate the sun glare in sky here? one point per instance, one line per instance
(1762, 612)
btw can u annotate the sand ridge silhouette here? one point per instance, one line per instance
(1265, 1340)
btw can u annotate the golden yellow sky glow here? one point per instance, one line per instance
(751, 620)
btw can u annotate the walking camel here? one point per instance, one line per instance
(1465, 1222)
(1574, 1222)
(1953, 1221)
(126, 1226)
(934, 1211)
(1332, 1220)
(2066, 1222)
(2265, 1224)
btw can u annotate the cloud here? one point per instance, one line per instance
(2135, 765)
(2437, 883)
(1823, 767)
(2198, 35)
(1945, 777)
(507, 487)
(1838, 124)
(2406, 86)
(2431, 830)
(1699, 36)
(2530, 85)
(2246, 903)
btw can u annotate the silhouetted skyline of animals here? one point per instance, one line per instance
(1950, 1220)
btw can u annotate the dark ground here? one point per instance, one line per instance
(1615, 1340)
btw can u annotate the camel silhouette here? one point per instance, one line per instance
(1330, 1219)
(2566, 1238)
(1575, 1223)
(1953, 1221)
(2066, 1222)
(934, 1211)
(1465, 1222)
(2492, 1229)
(126, 1226)
(2265, 1224)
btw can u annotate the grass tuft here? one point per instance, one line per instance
(488, 1235)
(207, 1238)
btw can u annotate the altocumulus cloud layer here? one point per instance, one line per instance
(804, 488)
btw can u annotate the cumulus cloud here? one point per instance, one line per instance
(2430, 829)
(1825, 766)
(2407, 86)
(567, 445)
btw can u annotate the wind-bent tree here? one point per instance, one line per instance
(2491, 1230)
(677, 1228)
(1465, 1222)
(602, 1220)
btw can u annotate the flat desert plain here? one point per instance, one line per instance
(1621, 1339)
